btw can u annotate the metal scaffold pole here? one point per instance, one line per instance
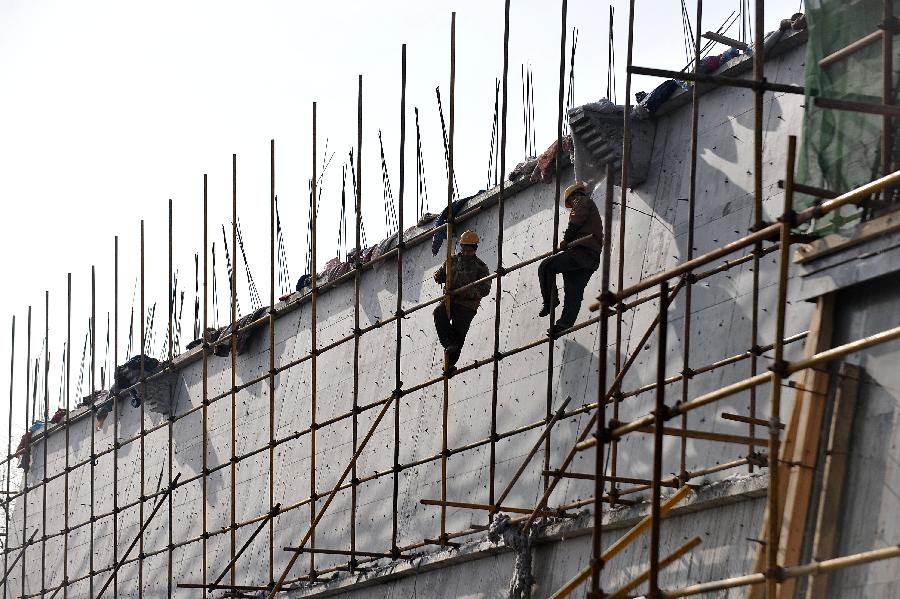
(357, 272)
(313, 355)
(442, 539)
(398, 313)
(12, 371)
(272, 244)
(552, 333)
(204, 399)
(234, 319)
(498, 293)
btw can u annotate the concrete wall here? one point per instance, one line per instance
(656, 236)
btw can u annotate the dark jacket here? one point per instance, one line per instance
(464, 271)
(585, 222)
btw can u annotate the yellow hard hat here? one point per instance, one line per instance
(469, 238)
(576, 187)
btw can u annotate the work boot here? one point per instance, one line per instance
(545, 309)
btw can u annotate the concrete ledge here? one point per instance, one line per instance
(706, 497)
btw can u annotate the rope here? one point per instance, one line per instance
(196, 296)
(390, 209)
(342, 223)
(611, 62)
(362, 227)
(570, 97)
(231, 278)
(284, 279)
(437, 91)
(255, 301)
(421, 188)
(492, 161)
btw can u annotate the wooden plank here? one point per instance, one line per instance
(796, 434)
(841, 241)
(835, 470)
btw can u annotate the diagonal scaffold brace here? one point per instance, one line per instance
(140, 534)
(18, 557)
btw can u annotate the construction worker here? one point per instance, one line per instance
(581, 246)
(466, 268)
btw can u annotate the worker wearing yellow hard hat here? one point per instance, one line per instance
(581, 246)
(452, 324)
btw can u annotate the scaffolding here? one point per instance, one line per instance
(600, 434)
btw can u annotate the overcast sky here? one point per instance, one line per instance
(109, 109)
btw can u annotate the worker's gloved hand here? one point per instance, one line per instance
(437, 279)
(563, 244)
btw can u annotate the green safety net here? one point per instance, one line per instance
(840, 149)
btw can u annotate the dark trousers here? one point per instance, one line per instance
(576, 265)
(452, 331)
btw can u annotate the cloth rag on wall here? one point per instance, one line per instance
(520, 542)
(244, 337)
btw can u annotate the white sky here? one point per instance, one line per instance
(110, 108)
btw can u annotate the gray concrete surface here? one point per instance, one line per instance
(656, 236)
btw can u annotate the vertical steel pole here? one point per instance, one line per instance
(170, 550)
(778, 374)
(272, 243)
(115, 399)
(398, 313)
(688, 278)
(602, 368)
(495, 376)
(314, 351)
(234, 319)
(205, 386)
(12, 363)
(551, 347)
(658, 421)
(623, 209)
(46, 436)
(26, 456)
(356, 334)
(758, 72)
(143, 426)
(449, 271)
(65, 559)
(93, 421)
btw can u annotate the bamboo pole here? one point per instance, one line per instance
(663, 563)
(551, 347)
(314, 348)
(774, 521)
(232, 480)
(115, 413)
(692, 201)
(600, 420)
(810, 569)
(449, 271)
(143, 432)
(46, 436)
(623, 541)
(272, 243)
(92, 427)
(661, 411)
(204, 479)
(398, 313)
(356, 334)
(171, 449)
(495, 374)
(309, 533)
(12, 372)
